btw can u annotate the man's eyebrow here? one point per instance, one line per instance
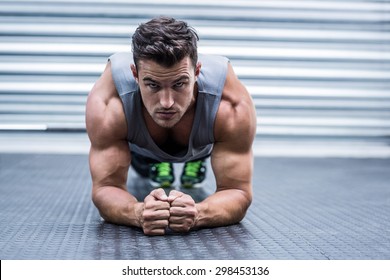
(148, 79)
(183, 77)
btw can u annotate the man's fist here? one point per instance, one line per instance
(155, 215)
(182, 213)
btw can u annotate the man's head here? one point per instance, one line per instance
(166, 69)
(165, 41)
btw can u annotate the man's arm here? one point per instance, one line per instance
(232, 163)
(109, 156)
(109, 161)
(232, 158)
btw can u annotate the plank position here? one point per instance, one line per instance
(163, 103)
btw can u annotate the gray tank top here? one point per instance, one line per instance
(210, 85)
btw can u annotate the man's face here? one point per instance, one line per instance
(167, 93)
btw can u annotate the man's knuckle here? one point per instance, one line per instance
(192, 213)
(147, 215)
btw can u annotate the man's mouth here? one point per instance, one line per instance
(165, 115)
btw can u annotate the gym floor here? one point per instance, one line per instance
(303, 208)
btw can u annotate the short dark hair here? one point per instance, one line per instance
(165, 41)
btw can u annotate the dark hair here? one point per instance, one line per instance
(165, 40)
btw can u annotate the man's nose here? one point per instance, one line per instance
(166, 99)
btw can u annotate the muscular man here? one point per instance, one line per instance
(162, 104)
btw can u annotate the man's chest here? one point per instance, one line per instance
(171, 140)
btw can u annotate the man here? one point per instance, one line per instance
(159, 105)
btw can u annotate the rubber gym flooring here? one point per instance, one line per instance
(303, 208)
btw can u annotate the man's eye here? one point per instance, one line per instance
(179, 84)
(151, 85)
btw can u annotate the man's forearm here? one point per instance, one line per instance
(117, 206)
(223, 208)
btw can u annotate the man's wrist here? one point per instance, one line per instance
(138, 209)
(199, 219)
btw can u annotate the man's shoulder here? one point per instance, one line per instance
(213, 65)
(104, 111)
(121, 58)
(212, 73)
(121, 72)
(236, 116)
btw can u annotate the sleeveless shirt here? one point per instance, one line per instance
(210, 82)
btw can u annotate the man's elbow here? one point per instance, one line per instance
(244, 206)
(98, 200)
(99, 204)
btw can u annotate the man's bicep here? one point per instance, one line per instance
(232, 169)
(109, 165)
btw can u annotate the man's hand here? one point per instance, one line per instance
(183, 212)
(155, 214)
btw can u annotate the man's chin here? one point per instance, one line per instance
(166, 120)
(166, 124)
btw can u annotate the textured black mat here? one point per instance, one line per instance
(303, 209)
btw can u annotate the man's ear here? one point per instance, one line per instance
(197, 68)
(134, 71)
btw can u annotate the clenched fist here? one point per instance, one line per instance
(156, 213)
(182, 212)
